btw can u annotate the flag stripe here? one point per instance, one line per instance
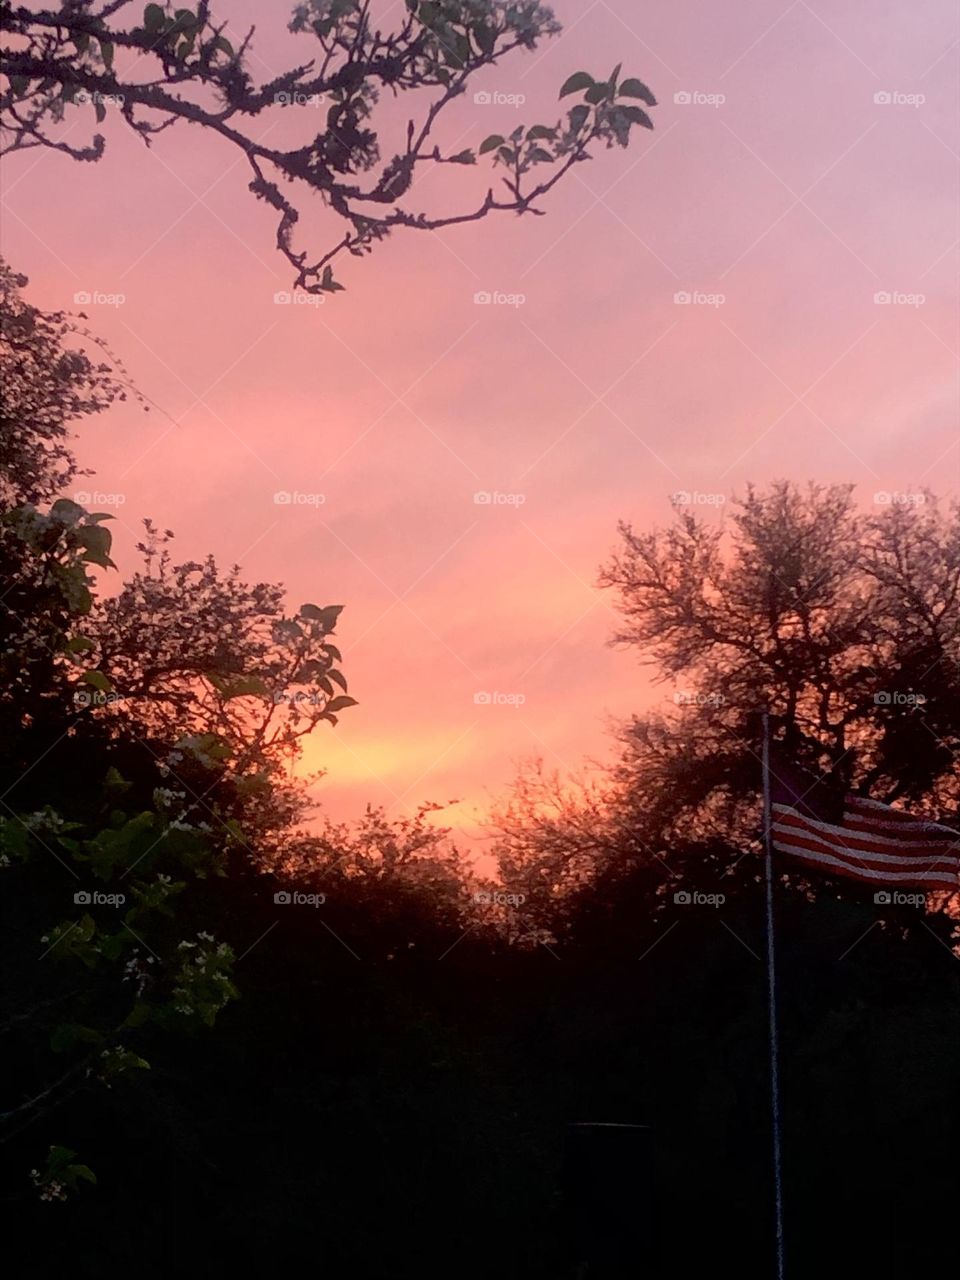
(882, 848)
(907, 852)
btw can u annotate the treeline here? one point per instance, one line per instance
(234, 1037)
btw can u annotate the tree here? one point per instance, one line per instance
(844, 625)
(167, 67)
(145, 741)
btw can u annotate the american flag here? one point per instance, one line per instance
(859, 838)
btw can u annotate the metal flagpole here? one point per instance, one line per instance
(772, 998)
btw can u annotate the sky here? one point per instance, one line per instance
(763, 286)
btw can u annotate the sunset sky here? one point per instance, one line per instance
(812, 166)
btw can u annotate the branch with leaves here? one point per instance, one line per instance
(168, 67)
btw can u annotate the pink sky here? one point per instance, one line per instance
(797, 198)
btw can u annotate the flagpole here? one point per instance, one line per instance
(772, 999)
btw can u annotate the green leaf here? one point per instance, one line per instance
(153, 17)
(98, 680)
(243, 688)
(78, 644)
(637, 89)
(69, 1034)
(339, 704)
(489, 144)
(579, 80)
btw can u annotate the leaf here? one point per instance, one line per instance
(539, 156)
(578, 116)
(66, 510)
(223, 44)
(540, 131)
(327, 616)
(338, 678)
(245, 687)
(106, 51)
(637, 115)
(69, 1034)
(637, 89)
(98, 680)
(489, 144)
(153, 17)
(96, 543)
(463, 157)
(597, 94)
(339, 704)
(579, 80)
(78, 644)
(334, 652)
(100, 110)
(327, 281)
